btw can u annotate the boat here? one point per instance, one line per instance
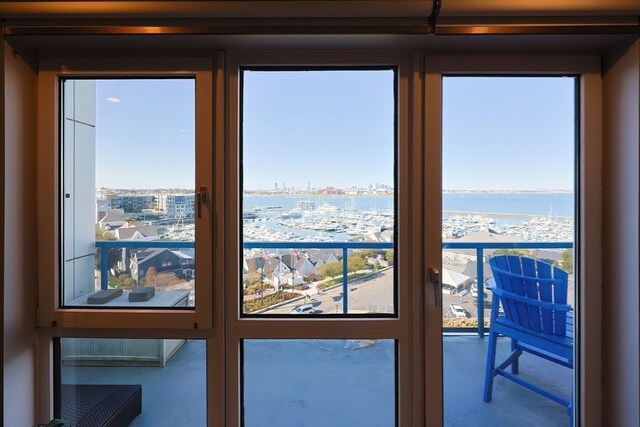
(306, 205)
(293, 213)
(326, 207)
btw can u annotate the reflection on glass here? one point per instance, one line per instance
(137, 382)
(318, 166)
(128, 192)
(319, 383)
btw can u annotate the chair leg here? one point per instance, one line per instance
(490, 366)
(515, 365)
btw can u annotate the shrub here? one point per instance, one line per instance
(462, 322)
(123, 281)
(269, 300)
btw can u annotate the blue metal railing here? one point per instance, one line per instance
(479, 247)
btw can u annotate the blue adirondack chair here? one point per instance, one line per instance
(535, 315)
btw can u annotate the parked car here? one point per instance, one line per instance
(457, 311)
(303, 309)
(448, 289)
(474, 291)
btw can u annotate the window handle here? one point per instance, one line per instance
(434, 276)
(201, 197)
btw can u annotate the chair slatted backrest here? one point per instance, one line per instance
(535, 280)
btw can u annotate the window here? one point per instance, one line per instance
(120, 140)
(317, 153)
(337, 131)
(134, 195)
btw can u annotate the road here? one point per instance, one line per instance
(372, 294)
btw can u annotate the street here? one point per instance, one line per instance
(372, 294)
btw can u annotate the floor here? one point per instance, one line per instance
(316, 383)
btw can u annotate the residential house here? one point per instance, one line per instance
(162, 260)
(114, 218)
(304, 267)
(319, 257)
(137, 231)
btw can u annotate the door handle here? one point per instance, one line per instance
(201, 196)
(434, 276)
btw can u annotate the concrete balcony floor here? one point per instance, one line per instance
(175, 394)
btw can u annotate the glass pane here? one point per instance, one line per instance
(318, 383)
(318, 186)
(508, 179)
(128, 192)
(137, 382)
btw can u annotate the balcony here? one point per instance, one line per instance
(464, 353)
(175, 394)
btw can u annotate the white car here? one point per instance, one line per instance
(457, 311)
(303, 309)
(474, 291)
(448, 289)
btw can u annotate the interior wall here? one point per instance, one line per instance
(621, 271)
(20, 260)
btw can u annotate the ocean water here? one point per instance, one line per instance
(545, 204)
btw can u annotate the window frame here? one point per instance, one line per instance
(50, 311)
(403, 327)
(426, 115)
(588, 198)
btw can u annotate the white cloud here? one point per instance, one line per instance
(114, 100)
(183, 130)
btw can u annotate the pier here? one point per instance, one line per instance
(503, 214)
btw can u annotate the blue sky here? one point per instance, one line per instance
(145, 133)
(335, 128)
(508, 133)
(329, 128)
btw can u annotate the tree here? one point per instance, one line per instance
(355, 263)
(518, 252)
(566, 262)
(114, 253)
(367, 253)
(103, 234)
(331, 269)
(376, 267)
(152, 276)
(389, 256)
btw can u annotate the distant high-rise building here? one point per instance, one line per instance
(276, 185)
(309, 186)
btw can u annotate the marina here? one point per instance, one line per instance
(296, 218)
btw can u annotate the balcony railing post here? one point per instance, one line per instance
(480, 287)
(345, 281)
(104, 267)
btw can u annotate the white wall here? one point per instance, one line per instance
(621, 297)
(20, 254)
(79, 187)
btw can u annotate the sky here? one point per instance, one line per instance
(145, 133)
(335, 128)
(329, 128)
(508, 133)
